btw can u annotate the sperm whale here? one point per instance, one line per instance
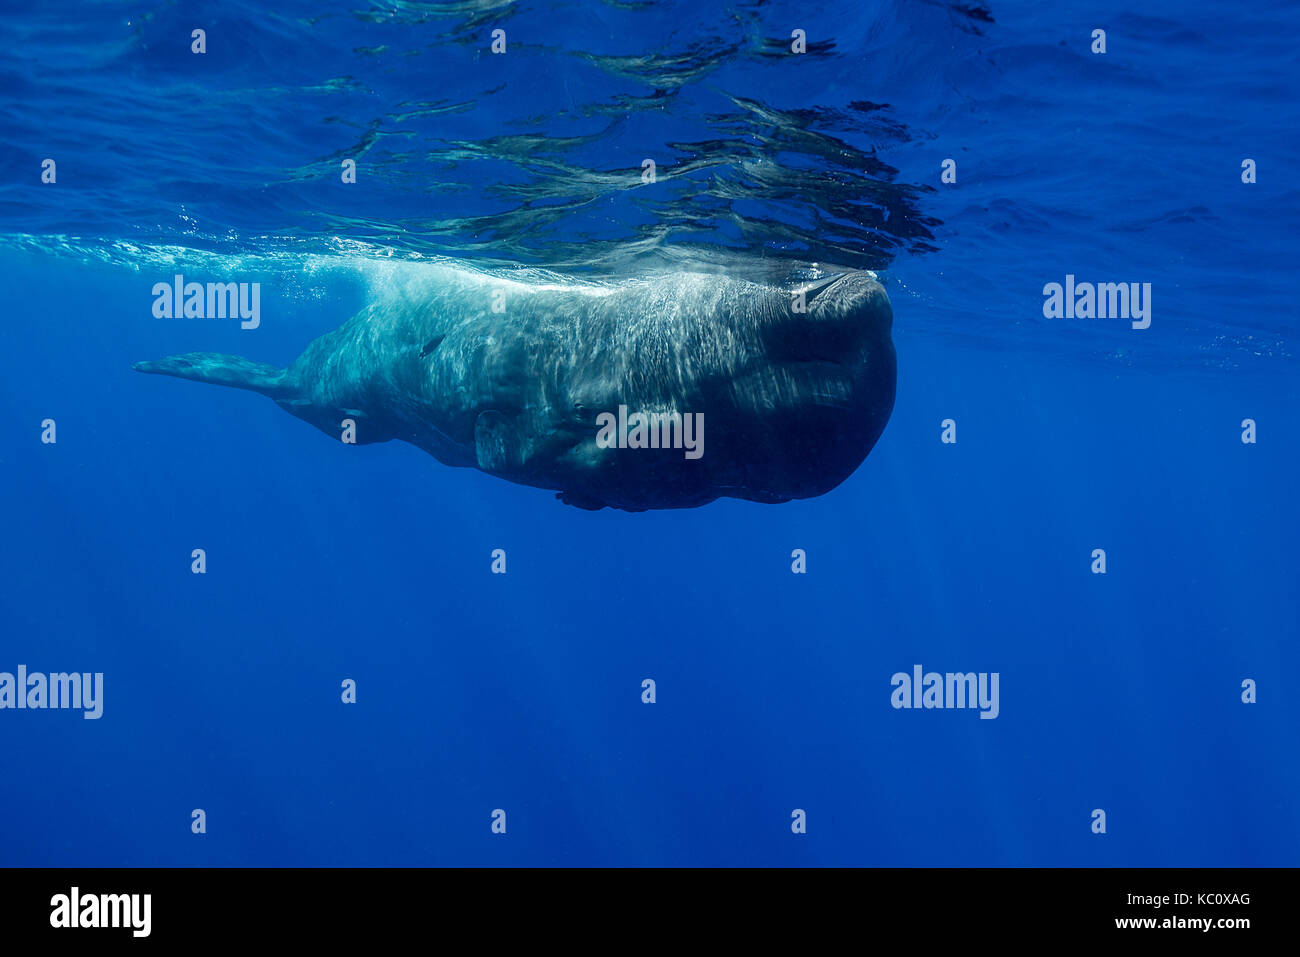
(603, 392)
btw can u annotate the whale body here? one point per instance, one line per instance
(788, 387)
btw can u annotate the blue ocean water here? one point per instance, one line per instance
(1120, 691)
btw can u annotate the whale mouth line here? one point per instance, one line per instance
(822, 287)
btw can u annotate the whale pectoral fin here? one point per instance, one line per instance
(496, 443)
(234, 371)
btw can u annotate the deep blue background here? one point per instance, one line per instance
(523, 691)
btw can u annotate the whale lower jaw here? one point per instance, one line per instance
(657, 500)
(593, 503)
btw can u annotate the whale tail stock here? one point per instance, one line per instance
(218, 369)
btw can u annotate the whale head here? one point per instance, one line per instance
(786, 389)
